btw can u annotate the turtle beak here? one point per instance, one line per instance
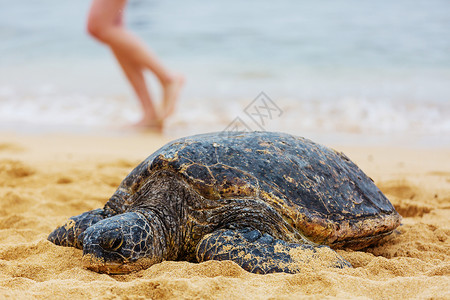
(101, 252)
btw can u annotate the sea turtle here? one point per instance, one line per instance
(256, 198)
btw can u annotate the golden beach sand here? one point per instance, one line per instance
(47, 178)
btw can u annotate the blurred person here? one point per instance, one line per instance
(106, 24)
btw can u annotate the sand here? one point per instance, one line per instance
(46, 178)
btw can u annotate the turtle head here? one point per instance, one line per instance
(121, 244)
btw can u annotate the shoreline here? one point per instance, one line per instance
(173, 131)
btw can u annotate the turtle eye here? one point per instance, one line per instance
(111, 240)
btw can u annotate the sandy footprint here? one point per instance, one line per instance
(15, 169)
(8, 147)
(405, 197)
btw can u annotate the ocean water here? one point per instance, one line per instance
(324, 67)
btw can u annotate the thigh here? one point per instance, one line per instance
(106, 12)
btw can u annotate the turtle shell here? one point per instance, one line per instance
(317, 190)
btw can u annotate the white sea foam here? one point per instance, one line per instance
(348, 115)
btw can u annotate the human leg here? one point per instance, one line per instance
(136, 78)
(105, 24)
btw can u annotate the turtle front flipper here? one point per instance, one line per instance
(71, 233)
(262, 254)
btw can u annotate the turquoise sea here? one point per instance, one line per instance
(372, 68)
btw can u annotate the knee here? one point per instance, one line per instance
(97, 30)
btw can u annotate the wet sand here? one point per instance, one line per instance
(47, 178)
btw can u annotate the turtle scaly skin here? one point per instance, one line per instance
(257, 198)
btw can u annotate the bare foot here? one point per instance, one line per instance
(146, 124)
(171, 93)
